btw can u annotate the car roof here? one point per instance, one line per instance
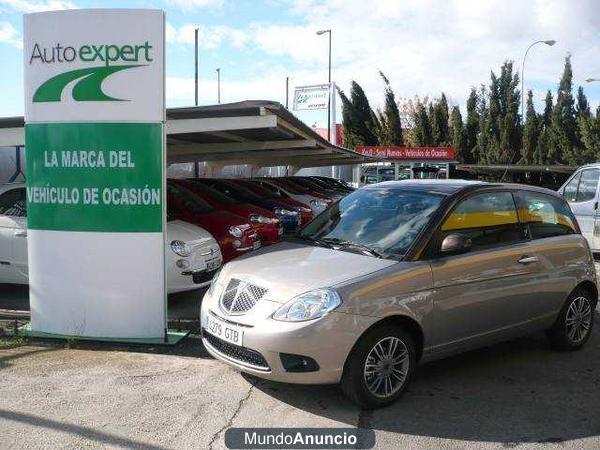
(445, 187)
(451, 187)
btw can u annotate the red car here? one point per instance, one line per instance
(304, 210)
(234, 234)
(290, 183)
(264, 222)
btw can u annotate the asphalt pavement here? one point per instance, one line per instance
(517, 394)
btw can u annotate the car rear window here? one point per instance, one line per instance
(545, 215)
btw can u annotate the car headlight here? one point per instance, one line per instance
(257, 218)
(181, 248)
(284, 212)
(308, 306)
(213, 283)
(236, 232)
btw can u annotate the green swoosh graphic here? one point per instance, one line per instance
(89, 88)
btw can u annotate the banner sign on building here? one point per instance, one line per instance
(95, 149)
(409, 153)
(311, 97)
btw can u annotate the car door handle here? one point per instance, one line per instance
(21, 233)
(528, 260)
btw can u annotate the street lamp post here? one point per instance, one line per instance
(591, 80)
(196, 67)
(219, 85)
(549, 42)
(321, 32)
(287, 92)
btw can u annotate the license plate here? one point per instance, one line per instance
(212, 265)
(256, 245)
(229, 333)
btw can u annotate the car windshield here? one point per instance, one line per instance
(201, 189)
(260, 190)
(311, 184)
(190, 201)
(289, 183)
(234, 191)
(384, 221)
(290, 188)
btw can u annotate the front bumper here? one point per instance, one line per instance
(328, 341)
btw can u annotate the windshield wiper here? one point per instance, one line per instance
(346, 244)
(318, 242)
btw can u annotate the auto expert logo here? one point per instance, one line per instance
(89, 86)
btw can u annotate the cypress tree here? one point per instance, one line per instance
(530, 133)
(548, 106)
(439, 122)
(510, 122)
(358, 117)
(480, 151)
(589, 129)
(583, 107)
(472, 126)
(459, 136)
(422, 129)
(489, 137)
(541, 150)
(562, 139)
(351, 139)
(364, 117)
(499, 139)
(389, 127)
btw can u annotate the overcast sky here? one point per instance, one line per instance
(423, 46)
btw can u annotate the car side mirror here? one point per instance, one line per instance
(455, 244)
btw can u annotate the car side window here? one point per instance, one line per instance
(488, 219)
(545, 215)
(13, 204)
(570, 191)
(588, 185)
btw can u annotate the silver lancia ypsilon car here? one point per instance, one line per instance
(401, 272)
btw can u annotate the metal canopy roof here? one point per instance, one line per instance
(255, 132)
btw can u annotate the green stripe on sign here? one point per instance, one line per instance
(103, 177)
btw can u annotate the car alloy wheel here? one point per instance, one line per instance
(386, 367)
(379, 367)
(573, 326)
(578, 320)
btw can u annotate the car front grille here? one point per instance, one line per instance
(239, 297)
(241, 355)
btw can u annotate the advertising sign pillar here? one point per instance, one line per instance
(95, 149)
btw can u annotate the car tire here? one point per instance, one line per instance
(365, 372)
(574, 324)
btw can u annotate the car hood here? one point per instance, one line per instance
(289, 269)
(186, 232)
(218, 222)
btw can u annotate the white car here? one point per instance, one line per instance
(192, 255)
(316, 204)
